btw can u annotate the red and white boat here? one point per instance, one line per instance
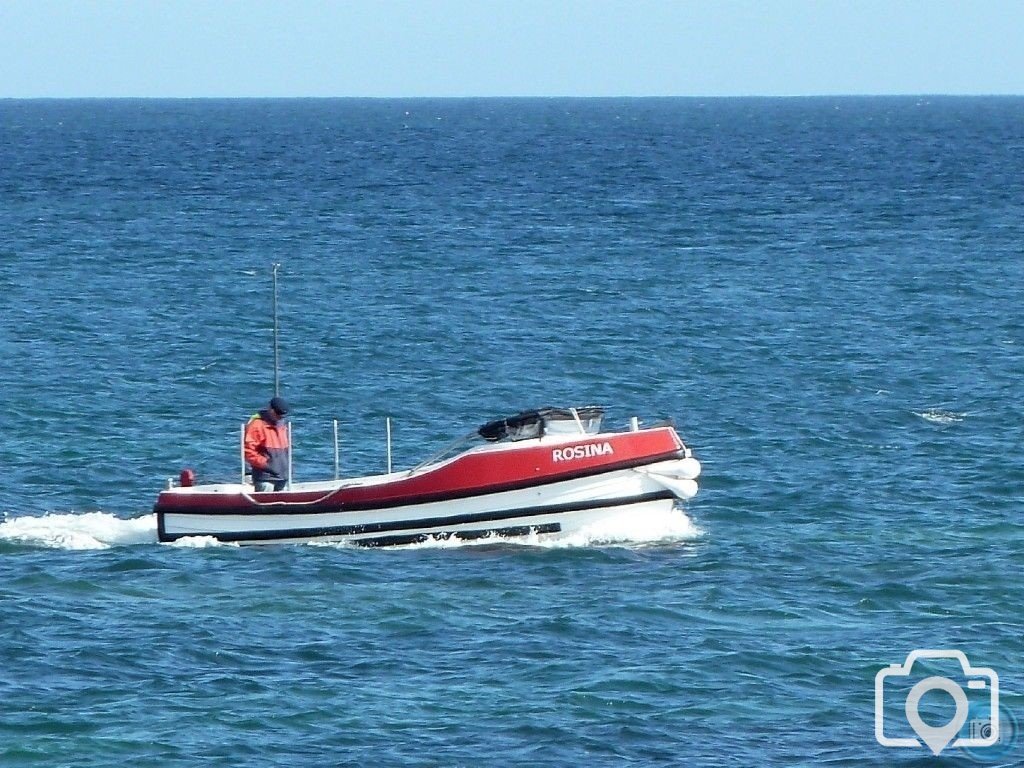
(540, 472)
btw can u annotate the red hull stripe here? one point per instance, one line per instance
(222, 504)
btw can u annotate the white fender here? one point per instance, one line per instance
(682, 487)
(684, 469)
(678, 475)
(688, 468)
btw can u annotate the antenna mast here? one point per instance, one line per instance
(277, 357)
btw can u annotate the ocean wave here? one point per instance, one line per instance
(89, 530)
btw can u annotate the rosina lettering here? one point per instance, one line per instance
(582, 452)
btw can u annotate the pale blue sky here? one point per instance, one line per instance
(186, 48)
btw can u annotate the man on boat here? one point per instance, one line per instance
(266, 447)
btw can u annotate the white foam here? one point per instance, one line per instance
(91, 530)
(939, 416)
(100, 530)
(625, 530)
(632, 530)
(202, 542)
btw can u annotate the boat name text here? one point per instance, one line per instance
(582, 451)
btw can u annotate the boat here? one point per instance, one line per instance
(541, 472)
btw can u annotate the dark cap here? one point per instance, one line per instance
(279, 406)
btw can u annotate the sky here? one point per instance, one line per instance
(405, 48)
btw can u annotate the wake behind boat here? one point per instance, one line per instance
(540, 472)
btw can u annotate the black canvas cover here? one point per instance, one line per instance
(527, 424)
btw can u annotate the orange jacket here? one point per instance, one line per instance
(266, 448)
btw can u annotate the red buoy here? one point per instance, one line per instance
(187, 478)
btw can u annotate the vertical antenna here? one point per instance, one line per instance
(277, 357)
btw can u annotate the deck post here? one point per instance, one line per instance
(289, 455)
(337, 455)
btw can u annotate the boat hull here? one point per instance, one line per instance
(375, 511)
(335, 529)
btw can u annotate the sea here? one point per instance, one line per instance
(825, 295)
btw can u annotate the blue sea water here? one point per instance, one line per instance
(825, 294)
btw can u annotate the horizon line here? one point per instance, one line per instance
(907, 95)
